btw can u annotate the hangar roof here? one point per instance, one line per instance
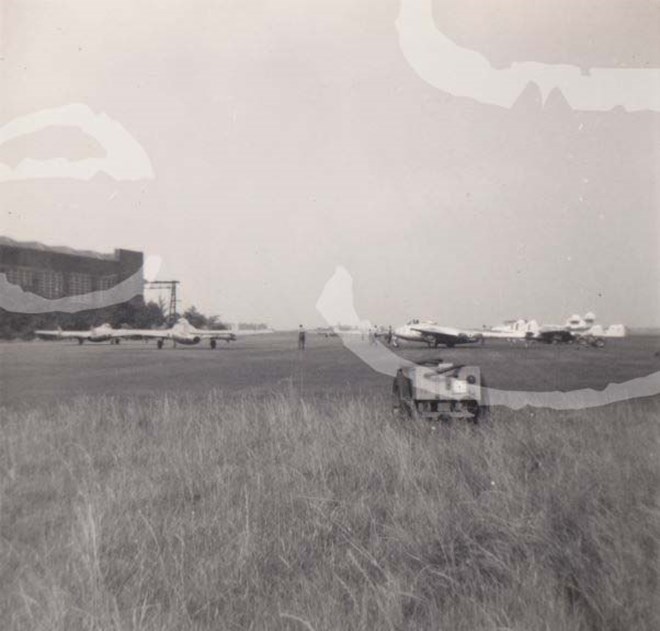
(61, 249)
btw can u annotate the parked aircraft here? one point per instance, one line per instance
(578, 324)
(587, 326)
(513, 330)
(580, 329)
(182, 333)
(102, 333)
(433, 334)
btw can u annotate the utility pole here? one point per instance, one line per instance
(172, 285)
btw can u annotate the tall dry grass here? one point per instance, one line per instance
(268, 513)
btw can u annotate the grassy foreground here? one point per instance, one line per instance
(271, 513)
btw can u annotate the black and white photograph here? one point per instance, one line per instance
(329, 315)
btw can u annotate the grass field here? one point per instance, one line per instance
(47, 373)
(254, 487)
(268, 510)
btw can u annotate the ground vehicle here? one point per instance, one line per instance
(563, 336)
(591, 340)
(433, 390)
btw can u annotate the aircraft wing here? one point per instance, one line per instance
(63, 335)
(241, 333)
(221, 334)
(489, 333)
(157, 334)
(446, 334)
(229, 334)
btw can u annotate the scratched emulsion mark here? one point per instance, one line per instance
(463, 72)
(336, 304)
(14, 298)
(124, 159)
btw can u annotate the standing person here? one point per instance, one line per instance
(301, 338)
(389, 336)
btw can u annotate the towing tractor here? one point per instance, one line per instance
(437, 391)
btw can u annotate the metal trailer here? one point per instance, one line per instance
(437, 391)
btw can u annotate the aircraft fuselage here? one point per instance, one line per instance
(434, 335)
(186, 340)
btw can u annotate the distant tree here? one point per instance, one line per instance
(135, 314)
(149, 316)
(215, 322)
(123, 315)
(197, 319)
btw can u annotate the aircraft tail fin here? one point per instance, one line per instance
(183, 325)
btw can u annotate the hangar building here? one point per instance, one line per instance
(55, 272)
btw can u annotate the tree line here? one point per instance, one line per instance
(135, 314)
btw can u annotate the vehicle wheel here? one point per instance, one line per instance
(473, 407)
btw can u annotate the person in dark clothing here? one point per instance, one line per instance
(301, 338)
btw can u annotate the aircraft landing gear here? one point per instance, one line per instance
(159, 343)
(80, 340)
(213, 344)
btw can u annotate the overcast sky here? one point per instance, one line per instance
(288, 137)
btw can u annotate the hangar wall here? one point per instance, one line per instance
(55, 272)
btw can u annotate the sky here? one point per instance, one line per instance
(288, 138)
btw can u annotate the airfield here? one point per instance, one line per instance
(45, 373)
(255, 486)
